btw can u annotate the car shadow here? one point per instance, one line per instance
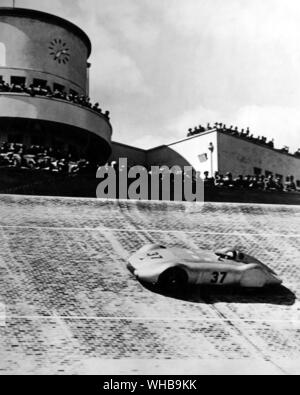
(278, 295)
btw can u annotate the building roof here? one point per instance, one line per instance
(45, 17)
(278, 151)
(129, 146)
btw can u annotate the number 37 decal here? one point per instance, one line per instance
(218, 278)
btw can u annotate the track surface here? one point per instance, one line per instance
(72, 307)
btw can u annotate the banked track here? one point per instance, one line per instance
(72, 307)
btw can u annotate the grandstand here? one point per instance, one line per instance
(44, 86)
(73, 308)
(49, 123)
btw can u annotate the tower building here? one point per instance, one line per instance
(40, 55)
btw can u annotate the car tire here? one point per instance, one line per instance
(173, 279)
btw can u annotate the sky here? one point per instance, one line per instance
(163, 66)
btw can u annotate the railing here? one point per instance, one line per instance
(105, 115)
(49, 109)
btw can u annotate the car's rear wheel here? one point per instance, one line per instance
(173, 279)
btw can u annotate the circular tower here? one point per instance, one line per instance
(45, 52)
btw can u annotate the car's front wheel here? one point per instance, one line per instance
(173, 279)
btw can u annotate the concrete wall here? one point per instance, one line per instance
(165, 156)
(135, 156)
(187, 153)
(25, 51)
(58, 111)
(239, 156)
(230, 154)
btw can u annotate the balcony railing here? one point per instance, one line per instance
(81, 101)
(51, 109)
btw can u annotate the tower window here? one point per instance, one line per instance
(17, 80)
(41, 83)
(58, 87)
(74, 93)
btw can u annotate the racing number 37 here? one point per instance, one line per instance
(218, 278)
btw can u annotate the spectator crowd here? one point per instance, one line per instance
(261, 182)
(258, 182)
(39, 90)
(242, 133)
(41, 158)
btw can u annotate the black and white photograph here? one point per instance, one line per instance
(149, 190)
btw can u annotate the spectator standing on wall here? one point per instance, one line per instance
(219, 180)
(228, 180)
(239, 182)
(278, 184)
(290, 184)
(254, 182)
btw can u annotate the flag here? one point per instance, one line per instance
(203, 158)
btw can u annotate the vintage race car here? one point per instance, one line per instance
(175, 268)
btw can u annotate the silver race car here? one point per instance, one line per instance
(175, 268)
